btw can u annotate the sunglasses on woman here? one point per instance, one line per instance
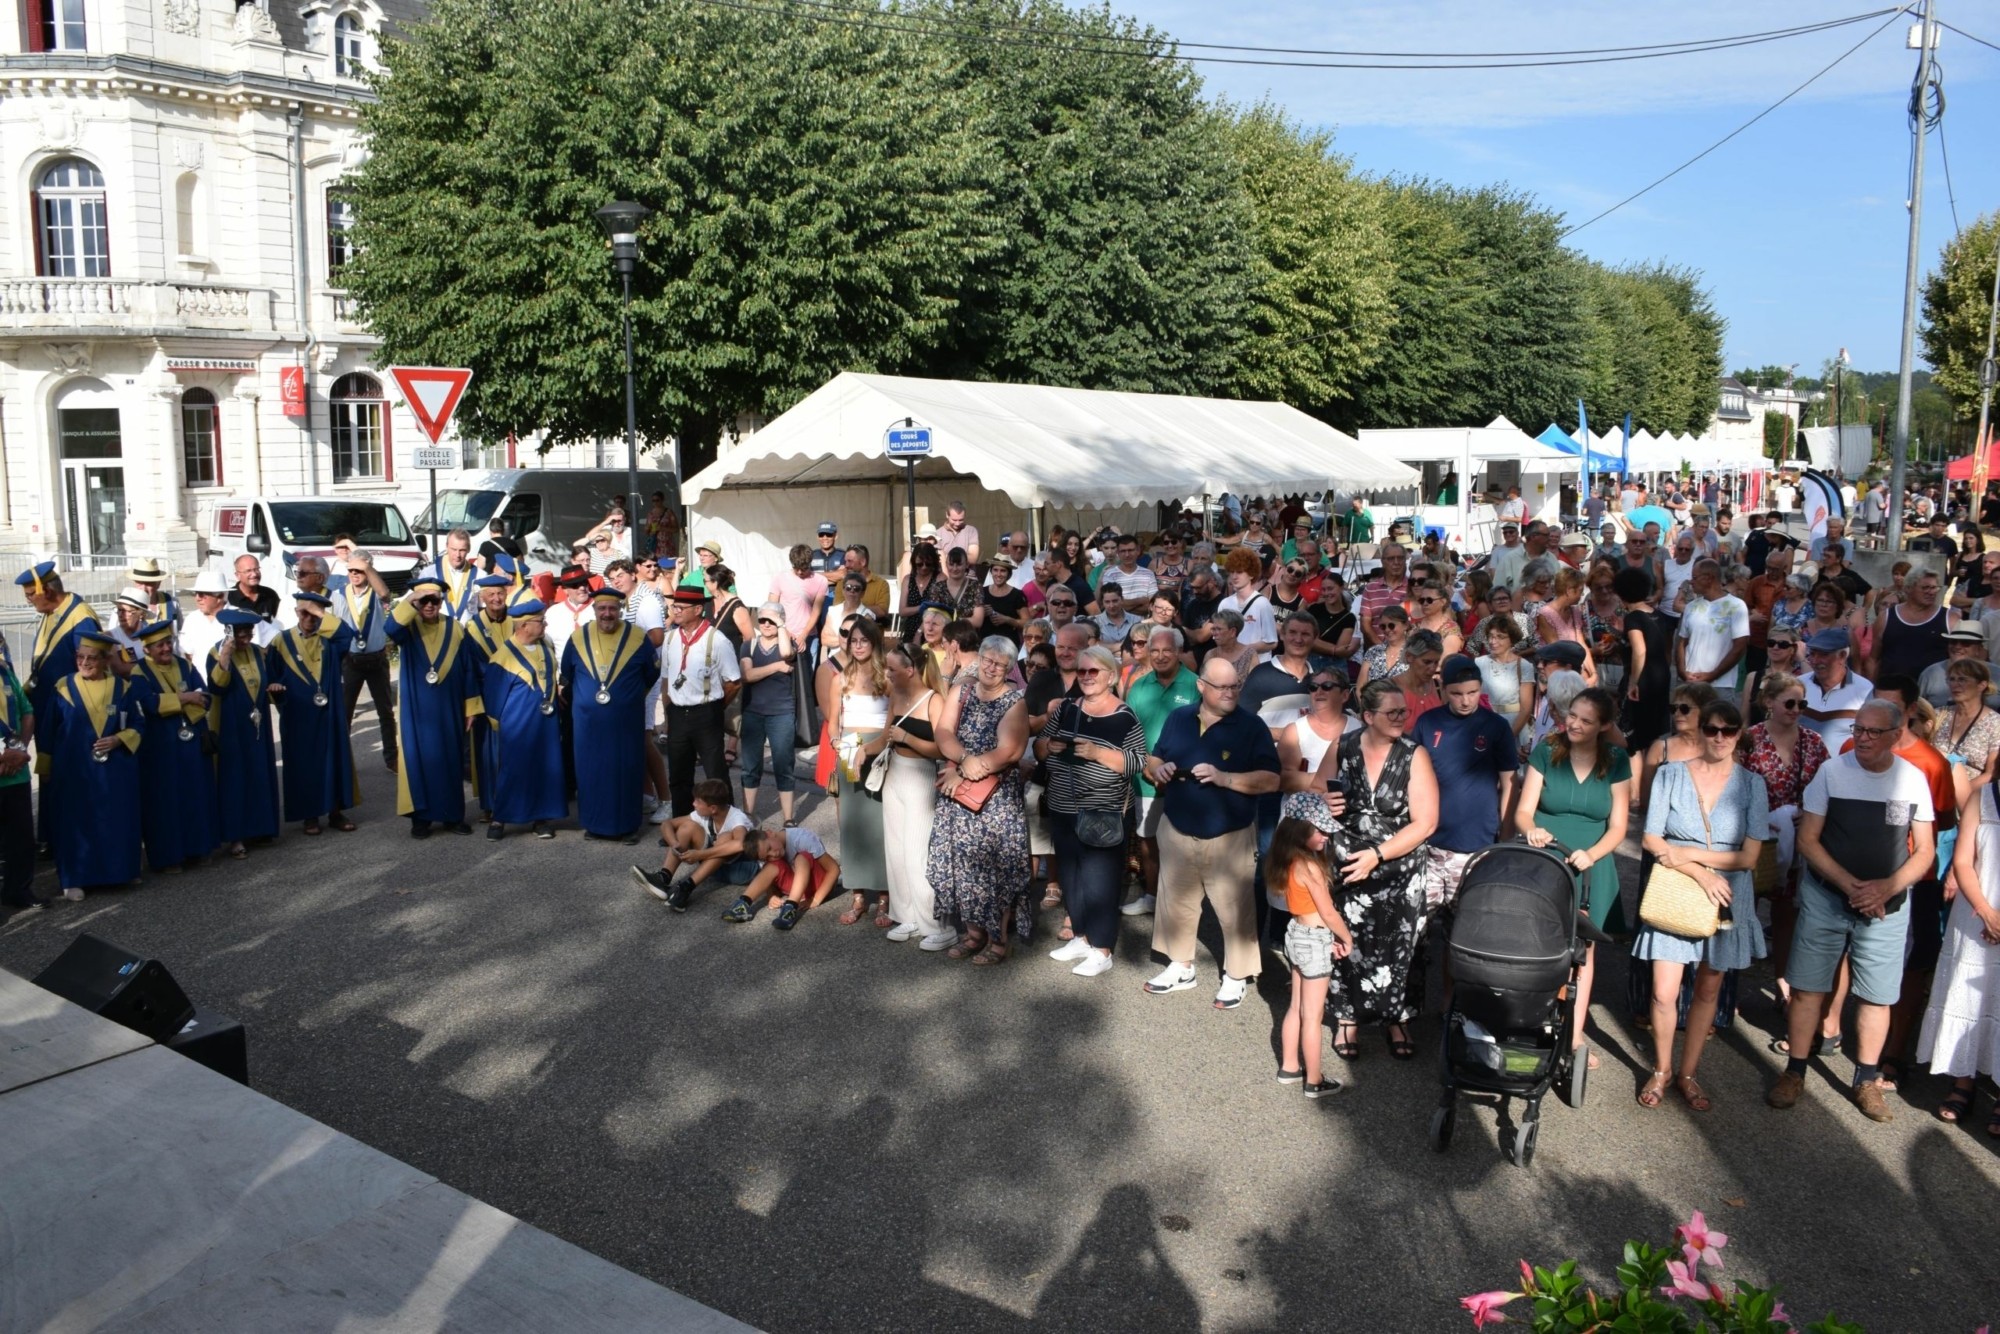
(1089, 673)
(1791, 705)
(1320, 687)
(1719, 730)
(1680, 709)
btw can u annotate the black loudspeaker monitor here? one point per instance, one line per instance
(120, 986)
(215, 1041)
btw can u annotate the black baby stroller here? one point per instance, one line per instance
(1516, 946)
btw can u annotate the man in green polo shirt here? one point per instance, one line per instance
(1168, 686)
(17, 813)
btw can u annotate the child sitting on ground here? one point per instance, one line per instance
(795, 867)
(701, 845)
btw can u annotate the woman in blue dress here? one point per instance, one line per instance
(247, 755)
(1708, 817)
(89, 737)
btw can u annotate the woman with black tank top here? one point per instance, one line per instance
(1909, 635)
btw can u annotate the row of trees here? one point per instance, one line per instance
(984, 189)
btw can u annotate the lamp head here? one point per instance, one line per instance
(620, 220)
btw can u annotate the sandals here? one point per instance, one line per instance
(1653, 1089)
(966, 947)
(343, 824)
(1957, 1103)
(1068, 932)
(1052, 895)
(1347, 1042)
(238, 852)
(312, 828)
(883, 921)
(855, 913)
(993, 955)
(1400, 1048)
(1691, 1094)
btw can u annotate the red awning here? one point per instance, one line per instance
(1960, 469)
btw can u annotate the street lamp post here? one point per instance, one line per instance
(620, 221)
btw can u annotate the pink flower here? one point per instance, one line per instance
(1528, 1278)
(1485, 1307)
(1684, 1284)
(1781, 1315)
(1702, 1244)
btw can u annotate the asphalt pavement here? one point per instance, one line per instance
(827, 1131)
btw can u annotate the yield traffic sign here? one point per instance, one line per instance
(432, 393)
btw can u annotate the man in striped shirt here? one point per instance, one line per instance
(1391, 588)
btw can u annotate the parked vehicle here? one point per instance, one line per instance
(545, 509)
(278, 531)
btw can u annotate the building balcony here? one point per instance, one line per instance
(107, 307)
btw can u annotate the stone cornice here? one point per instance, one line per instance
(135, 76)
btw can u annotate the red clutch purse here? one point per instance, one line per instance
(972, 793)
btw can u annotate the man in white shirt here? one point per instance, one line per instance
(1628, 497)
(571, 608)
(201, 632)
(1513, 507)
(1715, 631)
(1016, 545)
(1260, 629)
(697, 667)
(1509, 558)
(1833, 693)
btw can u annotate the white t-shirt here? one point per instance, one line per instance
(1849, 694)
(1868, 815)
(1847, 494)
(1788, 498)
(802, 840)
(1138, 586)
(1677, 573)
(732, 819)
(201, 632)
(1513, 508)
(700, 669)
(1258, 626)
(1711, 628)
(1628, 499)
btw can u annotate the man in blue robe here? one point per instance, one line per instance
(488, 626)
(63, 615)
(17, 799)
(89, 736)
(439, 680)
(522, 677)
(306, 666)
(455, 574)
(607, 668)
(180, 819)
(246, 762)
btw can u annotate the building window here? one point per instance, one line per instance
(347, 39)
(56, 25)
(201, 439)
(339, 233)
(74, 236)
(360, 437)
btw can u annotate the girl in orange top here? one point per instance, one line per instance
(1316, 936)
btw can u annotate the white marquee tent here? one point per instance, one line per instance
(1083, 457)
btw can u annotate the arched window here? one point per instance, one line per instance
(201, 439)
(74, 235)
(57, 25)
(347, 46)
(360, 431)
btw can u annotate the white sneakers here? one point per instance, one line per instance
(904, 930)
(1070, 950)
(1230, 994)
(1139, 907)
(73, 894)
(941, 940)
(1174, 977)
(1093, 963)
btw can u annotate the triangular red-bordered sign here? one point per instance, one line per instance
(432, 393)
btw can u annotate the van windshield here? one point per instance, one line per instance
(313, 523)
(460, 509)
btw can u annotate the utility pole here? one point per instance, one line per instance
(1899, 456)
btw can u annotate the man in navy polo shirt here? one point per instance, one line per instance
(1212, 762)
(1472, 752)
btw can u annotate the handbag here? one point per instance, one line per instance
(972, 793)
(1675, 902)
(878, 767)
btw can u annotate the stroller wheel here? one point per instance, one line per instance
(1578, 1079)
(1443, 1120)
(1521, 1143)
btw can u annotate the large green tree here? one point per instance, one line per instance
(1125, 256)
(1323, 269)
(1957, 307)
(819, 203)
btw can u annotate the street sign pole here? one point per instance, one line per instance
(906, 444)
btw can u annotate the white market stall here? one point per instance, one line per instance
(1079, 457)
(1495, 457)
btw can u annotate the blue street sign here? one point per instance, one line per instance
(909, 442)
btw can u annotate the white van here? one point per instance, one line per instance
(545, 509)
(279, 530)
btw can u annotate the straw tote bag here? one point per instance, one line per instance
(1674, 902)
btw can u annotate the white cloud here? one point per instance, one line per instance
(1747, 76)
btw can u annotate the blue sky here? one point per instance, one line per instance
(1797, 224)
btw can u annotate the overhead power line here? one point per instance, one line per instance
(1970, 37)
(1817, 76)
(1162, 46)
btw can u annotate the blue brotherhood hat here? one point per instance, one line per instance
(493, 581)
(154, 633)
(526, 607)
(316, 599)
(32, 576)
(97, 638)
(426, 580)
(233, 616)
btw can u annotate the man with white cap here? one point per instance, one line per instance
(201, 632)
(363, 607)
(1967, 639)
(161, 605)
(1510, 557)
(307, 682)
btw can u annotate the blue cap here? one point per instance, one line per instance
(237, 616)
(493, 581)
(426, 580)
(829, 530)
(154, 633)
(317, 599)
(1831, 640)
(97, 637)
(34, 574)
(1565, 651)
(526, 607)
(1458, 669)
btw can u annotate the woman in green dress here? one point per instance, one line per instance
(1578, 792)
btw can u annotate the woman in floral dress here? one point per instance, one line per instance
(979, 859)
(1391, 809)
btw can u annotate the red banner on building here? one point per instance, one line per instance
(292, 390)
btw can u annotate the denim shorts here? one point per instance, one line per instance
(1309, 949)
(1828, 928)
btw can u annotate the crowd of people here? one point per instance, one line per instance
(1305, 731)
